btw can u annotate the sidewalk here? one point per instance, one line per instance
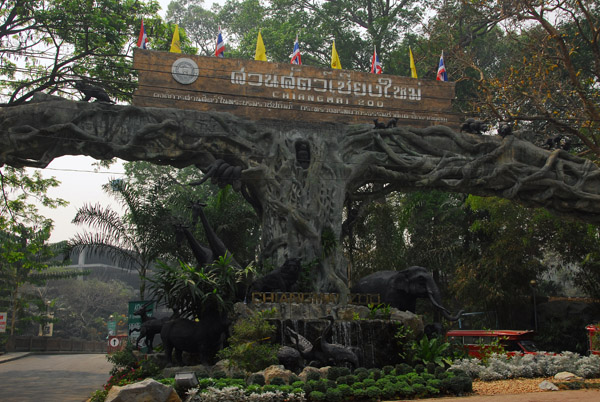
(7, 357)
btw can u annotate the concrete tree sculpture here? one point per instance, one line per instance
(297, 175)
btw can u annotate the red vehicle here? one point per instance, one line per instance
(476, 341)
(594, 337)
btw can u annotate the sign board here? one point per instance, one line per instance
(135, 321)
(111, 326)
(3, 316)
(282, 91)
(116, 343)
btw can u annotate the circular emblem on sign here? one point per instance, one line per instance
(185, 71)
(114, 342)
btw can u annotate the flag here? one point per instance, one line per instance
(261, 52)
(296, 58)
(335, 59)
(375, 63)
(442, 75)
(176, 43)
(220, 48)
(143, 38)
(413, 68)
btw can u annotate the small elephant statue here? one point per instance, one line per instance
(400, 289)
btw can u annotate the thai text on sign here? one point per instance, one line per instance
(277, 91)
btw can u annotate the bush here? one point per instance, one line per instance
(345, 390)
(248, 347)
(313, 375)
(375, 374)
(333, 395)
(256, 378)
(278, 381)
(219, 374)
(373, 392)
(317, 396)
(387, 370)
(540, 365)
(456, 385)
(403, 368)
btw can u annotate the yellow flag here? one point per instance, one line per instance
(176, 43)
(261, 52)
(413, 68)
(335, 59)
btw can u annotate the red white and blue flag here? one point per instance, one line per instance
(375, 63)
(143, 38)
(442, 75)
(296, 57)
(220, 49)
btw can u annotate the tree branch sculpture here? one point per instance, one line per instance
(299, 174)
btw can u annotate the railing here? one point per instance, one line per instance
(50, 344)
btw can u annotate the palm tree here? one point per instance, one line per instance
(136, 239)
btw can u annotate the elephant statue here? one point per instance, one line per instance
(400, 289)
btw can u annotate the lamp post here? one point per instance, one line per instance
(533, 284)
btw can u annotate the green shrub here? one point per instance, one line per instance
(419, 368)
(254, 389)
(205, 383)
(297, 390)
(429, 390)
(387, 370)
(361, 373)
(278, 381)
(313, 375)
(317, 396)
(294, 378)
(307, 388)
(270, 388)
(360, 393)
(373, 392)
(248, 346)
(358, 385)
(403, 368)
(375, 374)
(297, 384)
(345, 390)
(431, 367)
(333, 395)
(419, 389)
(457, 385)
(407, 391)
(389, 391)
(256, 378)
(219, 374)
(368, 382)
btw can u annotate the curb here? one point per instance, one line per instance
(8, 357)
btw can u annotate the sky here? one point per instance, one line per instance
(80, 183)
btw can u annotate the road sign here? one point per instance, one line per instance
(3, 322)
(116, 343)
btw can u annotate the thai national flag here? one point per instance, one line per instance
(143, 38)
(442, 75)
(296, 58)
(220, 49)
(375, 63)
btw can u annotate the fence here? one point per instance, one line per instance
(50, 344)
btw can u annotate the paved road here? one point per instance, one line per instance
(53, 378)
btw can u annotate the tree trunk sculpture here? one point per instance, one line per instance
(297, 174)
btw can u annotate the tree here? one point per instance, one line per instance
(24, 251)
(81, 308)
(48, 45)
(231, 217)
(200, 25)
(507, 250)
(300, 208)
(543, 70)
(134, 240)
